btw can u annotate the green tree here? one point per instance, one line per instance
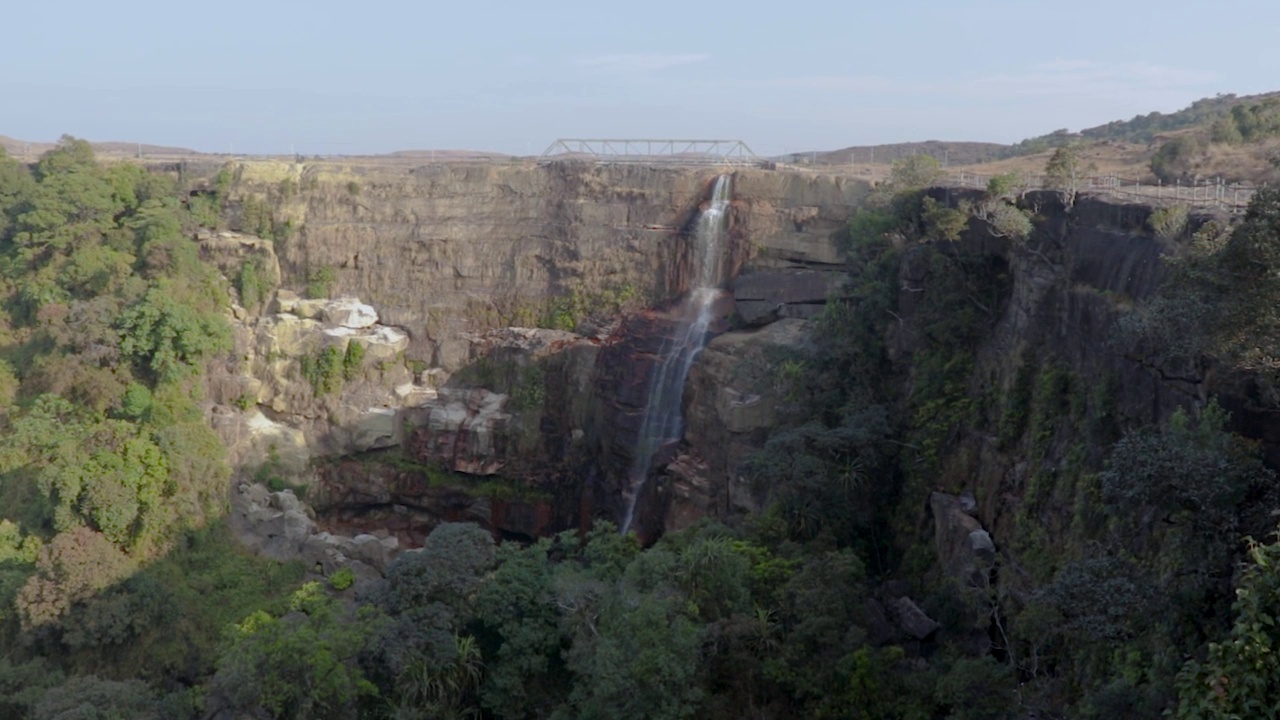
(300, 666)
(1240, 677)
(942, 222)
(444, 690)
(519, 627)
(16, 188)
(168, 338)
(87, 697)
(915, 172)
(641, 662)
(428, 598)
(1194, 472)
(1066, 170)
(1003, 185)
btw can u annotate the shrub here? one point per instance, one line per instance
(1169, 222)
(324, 370)
(1177, 158)
(254, 282)
(342, 579)
(320, 282)
(352, 359)
(1003, 184)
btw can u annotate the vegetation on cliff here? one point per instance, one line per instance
(111, 481)
(1116, 580)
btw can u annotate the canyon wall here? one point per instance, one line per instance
(522, 307)
(513, 305)
(450, 249)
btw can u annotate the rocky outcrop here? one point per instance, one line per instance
(280, 526)
(911, 620)
(769, 295)
(965, 550)
(732, 399)
(386, 493)
(295, 387)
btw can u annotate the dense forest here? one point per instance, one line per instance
(123, 596)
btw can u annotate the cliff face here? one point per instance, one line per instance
(450, 249)
(543, 421)
(457, 258)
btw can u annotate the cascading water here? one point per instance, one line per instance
(663, 421)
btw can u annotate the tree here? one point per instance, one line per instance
(1240, 677)
(16, 187)
(915, 172)
(518, 623)
(429, 596)
(87, 697)
(168, 338)
(1066, 170)
(299, 666)
(1193, 472)
(108, 474)
(642, 664)
(942, 222)
(71, 568)
(1003, 185)
(442, 691)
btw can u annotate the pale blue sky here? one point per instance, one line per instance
(379, 75)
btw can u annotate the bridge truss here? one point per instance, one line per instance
(652, 152)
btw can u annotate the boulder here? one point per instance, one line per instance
(286, 301)
(349, 312)
(375, 428)
(370, 550)
(965, 549)
(911, 620)
(382, 344)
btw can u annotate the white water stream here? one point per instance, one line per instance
(663, 421)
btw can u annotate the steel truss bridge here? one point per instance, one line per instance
(651, 152)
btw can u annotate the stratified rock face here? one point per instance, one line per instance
(284, 412)
(433, 264)
(734, 392)
(768, 295)
(465, 430)
(355, 496)
(452, 249)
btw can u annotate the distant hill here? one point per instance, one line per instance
(1141, 129)
(1146, 128)
(953, 153)
(17, 147)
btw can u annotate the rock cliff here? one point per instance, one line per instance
(460, 405)
(451, 249)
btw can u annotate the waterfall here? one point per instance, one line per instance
(663, 422)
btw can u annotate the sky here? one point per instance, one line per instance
(369, 76)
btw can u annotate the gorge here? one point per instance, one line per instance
(900, 450)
